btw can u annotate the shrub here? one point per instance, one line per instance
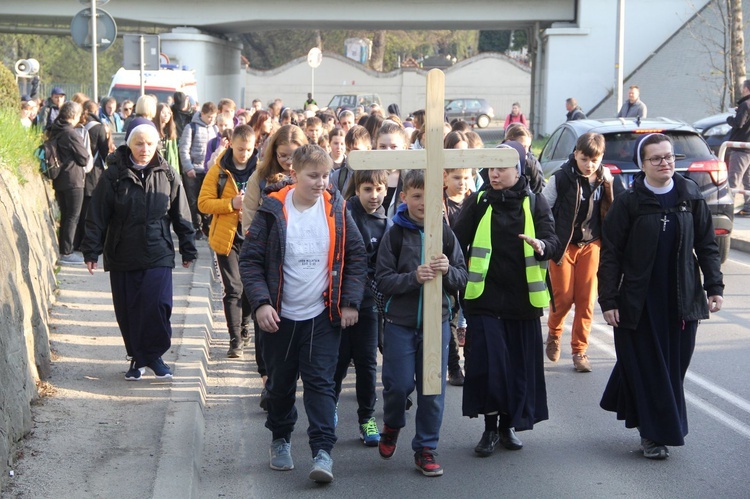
(17, 145)
(10, 99)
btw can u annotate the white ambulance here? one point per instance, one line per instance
(126, 84)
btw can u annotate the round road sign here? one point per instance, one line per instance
(106, 29)
(314, 57)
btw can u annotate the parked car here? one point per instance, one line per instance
(695, 160)
(350, 101)
(472, 110)
(714, 129)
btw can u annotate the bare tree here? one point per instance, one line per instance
(737, 47)
(378, 50)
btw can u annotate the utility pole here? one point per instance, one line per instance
(619, 53)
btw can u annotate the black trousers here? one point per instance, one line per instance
(70, 202)
(143, 308)
(237, 308)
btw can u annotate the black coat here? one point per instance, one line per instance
(99, 151)
(73, 156)
(506, 292)
(131, 213)
(740, 122)
(628, 251)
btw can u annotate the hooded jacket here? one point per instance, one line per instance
(506, 292)
(262, 254)
(399, 255)
(628, 250)
(73, 154)
(131, 213)
(373, 227)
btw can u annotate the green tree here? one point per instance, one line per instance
(10, 99)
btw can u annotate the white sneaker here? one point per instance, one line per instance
(71, 259)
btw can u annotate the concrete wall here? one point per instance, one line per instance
(216, 62)
(579, 60)
(28, 252)
(494, 77)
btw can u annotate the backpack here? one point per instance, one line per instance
(49, 158)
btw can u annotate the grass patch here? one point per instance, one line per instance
(17, 146)
(538, 144)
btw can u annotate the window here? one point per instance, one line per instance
(565, 145)
(550, 146)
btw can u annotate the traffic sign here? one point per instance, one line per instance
(314, 57)
(106, 29)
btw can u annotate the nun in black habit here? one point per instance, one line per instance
(657, 239)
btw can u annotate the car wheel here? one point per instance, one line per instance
(483, 121)
(724, 243)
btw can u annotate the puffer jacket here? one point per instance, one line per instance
(193, 143)
(262, 254)
(629, 237)
(225, 220)
(131, 213)
(399, 255)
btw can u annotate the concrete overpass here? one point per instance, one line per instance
(242, 16)
(572, 42)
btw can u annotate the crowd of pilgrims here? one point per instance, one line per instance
(305, 243)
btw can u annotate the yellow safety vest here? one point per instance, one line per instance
(481, 251)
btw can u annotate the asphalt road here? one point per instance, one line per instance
(582, 451)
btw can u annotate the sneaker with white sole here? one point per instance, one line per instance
(160, 369)
(71, 259)
(134, 373)
(281, 455)
(322, 470)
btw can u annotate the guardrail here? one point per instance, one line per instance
(722, 156)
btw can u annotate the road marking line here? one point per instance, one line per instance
(711, 410)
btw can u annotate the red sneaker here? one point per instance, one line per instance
(425, 462)
(388, 441)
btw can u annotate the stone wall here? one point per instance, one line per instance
(28, 253)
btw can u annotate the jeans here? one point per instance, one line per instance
(70, 202)
(360, 342)
(237, 308)
(402, 372)
(192, 190)
(310, 349)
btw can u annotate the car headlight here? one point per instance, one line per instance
(717, 130)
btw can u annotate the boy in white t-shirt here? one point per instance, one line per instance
(303, 267)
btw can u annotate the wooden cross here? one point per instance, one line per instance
(433, 159)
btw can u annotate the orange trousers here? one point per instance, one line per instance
(574, 283)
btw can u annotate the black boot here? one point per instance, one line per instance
(509, 440)
(486, 445)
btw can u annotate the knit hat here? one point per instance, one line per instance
(512, 144)
(137, 122)
(141, 125)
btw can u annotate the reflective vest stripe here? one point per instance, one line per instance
(535, 274)
(481, 250)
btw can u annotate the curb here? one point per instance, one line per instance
(740, 245)
(178, 467)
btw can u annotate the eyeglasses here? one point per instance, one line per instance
(284, 158)
(656, 160)
(129, 109)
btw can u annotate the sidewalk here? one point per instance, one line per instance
(741, 235)
(99, 435)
